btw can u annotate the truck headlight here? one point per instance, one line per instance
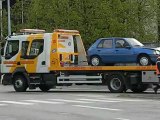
(156, 52)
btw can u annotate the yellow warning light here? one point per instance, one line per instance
(34, 31)
(66, 31)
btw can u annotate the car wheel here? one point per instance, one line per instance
(144, 60)
(96, 61)
(116, 83)
(20, 83)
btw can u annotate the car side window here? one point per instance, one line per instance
(105, 44)
(121, 44)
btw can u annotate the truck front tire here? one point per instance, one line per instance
(20, 83)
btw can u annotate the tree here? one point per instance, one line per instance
(93, 18)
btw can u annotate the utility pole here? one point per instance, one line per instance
(9, 18)
(22, 12)
(1, 19)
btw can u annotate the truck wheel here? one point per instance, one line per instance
(44, 87)
(96, 61)
(116, 83)
(144, 60)
(20, 83)
(139, 88)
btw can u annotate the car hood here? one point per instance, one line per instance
(149, 48)
(158, 48)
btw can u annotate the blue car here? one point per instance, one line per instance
(121, 50)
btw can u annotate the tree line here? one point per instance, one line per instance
(93, 18)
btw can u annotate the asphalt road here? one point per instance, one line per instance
(78, 103)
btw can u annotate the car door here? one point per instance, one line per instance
(105, 50)
(123, 51)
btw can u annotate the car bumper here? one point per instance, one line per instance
(153, 58)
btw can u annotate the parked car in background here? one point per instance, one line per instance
(121, 50)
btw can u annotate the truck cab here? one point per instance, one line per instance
(32, 55)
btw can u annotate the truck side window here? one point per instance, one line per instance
(24, 48)
(36, 47)
(12, 49)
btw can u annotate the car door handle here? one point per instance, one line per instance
(117, 50)
(98, 50)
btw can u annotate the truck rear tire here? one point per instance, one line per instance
(44, 87)
(139, 88)
(20, 83)
(116, 83)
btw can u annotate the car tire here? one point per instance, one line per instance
(20, 83)
(96, 61)
(144, 60)
(139, 88)
(116, 84)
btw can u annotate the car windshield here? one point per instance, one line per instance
(134, 43)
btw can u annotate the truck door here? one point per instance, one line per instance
(35, 56)
(10, 57)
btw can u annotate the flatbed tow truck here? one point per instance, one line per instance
(34, 59)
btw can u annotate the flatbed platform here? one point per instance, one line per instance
(105, 68)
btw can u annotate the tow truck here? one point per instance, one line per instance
(34, 58)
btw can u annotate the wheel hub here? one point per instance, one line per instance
(144, 61)
(95, 61)
(115, 83)
(18, 83)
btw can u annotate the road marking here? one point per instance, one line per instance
(121, 119)
(124, 100)
(116, 99)
(90, 95)
(98, 100)
(73, 101)
(19, 103)
(3, 104)
(41, 101)
(100, 108)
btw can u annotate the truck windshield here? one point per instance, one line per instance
(134, 43)
(12, 49)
